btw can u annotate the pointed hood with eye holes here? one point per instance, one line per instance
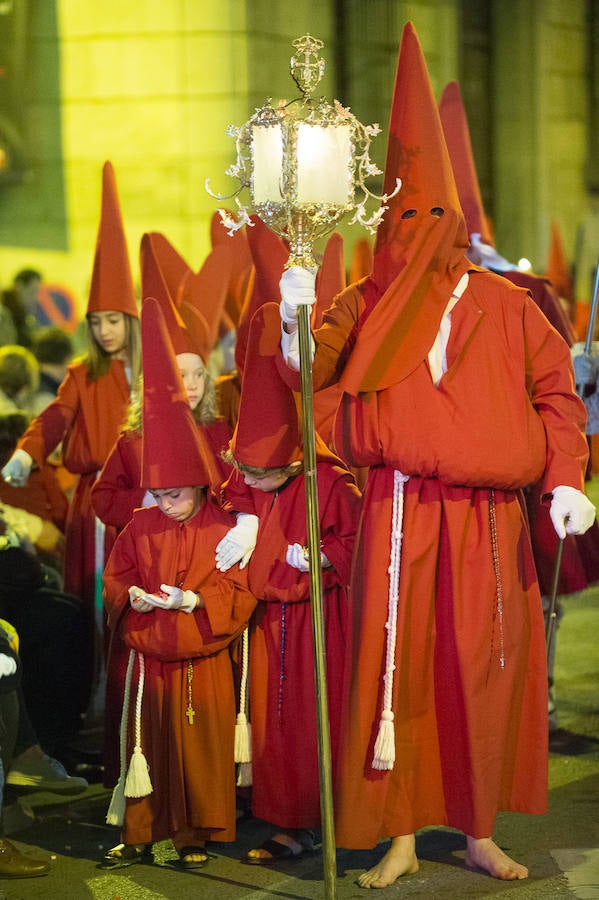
(419, 254)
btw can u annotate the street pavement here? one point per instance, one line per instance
(561, 849)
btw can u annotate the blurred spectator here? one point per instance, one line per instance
(13, 863)
(23, 324)
(42, 496)
(8, 330)
(26, 284)
(19, 378)
(51, 628)
(53, 349)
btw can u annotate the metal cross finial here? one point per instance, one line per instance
(307, 68)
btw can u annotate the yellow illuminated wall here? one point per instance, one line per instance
(153, 85)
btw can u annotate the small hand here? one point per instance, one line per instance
(238, 543)
(299, 557)
(17, 469)
(8, 665)
(139, 600)
(172, 597)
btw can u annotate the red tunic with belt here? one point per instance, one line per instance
(282, 701)
(87, 417)
(185, 654)
(470, 683)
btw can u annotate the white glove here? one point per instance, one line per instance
(486, 256)
(585, 369)
(8, 665)
(139, 600)
(17, 469)
(238, 543)
(148, 499)
(175, 598)
(571, 511)
(298, 288)
(298, 557)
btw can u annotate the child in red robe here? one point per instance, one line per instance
(179, 617)
(266, 448)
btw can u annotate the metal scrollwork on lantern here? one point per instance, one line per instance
(303, 162)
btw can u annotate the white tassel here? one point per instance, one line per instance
(384, 748)
(243, 729)
(116, 810)
(138, 782)
(242, 739)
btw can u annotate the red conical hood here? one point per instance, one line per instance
(416, 153)
(268, 431)
(558, 270)
(112, 283)
(153, 285)
(330, 279)
(174, 450)
(170, 262)
(269, 255)
(420, 248)
(457, 137)
(242, 264)
(361, 260)
(206, 292)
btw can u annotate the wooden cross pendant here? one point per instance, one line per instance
(190, 713)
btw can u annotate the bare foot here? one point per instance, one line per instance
(400, 859)
(483, 853)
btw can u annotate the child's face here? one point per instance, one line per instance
(179, 503)
(109, 330)
(272, 481)
(192, 372)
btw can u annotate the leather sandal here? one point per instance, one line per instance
(124, 855)
(280, 851)
(192, 863)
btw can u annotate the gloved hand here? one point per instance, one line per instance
(238, 543)
(175, 598)
(139, 600)
(8, 665)
(486, 256)
(571, 511)
(585, 369)
(298, 557)
(298, 288)
(17, 469)
(148, 499)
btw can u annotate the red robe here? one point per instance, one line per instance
(191, 765)
(115, 494)
(470, 735)
(580, 558)
(282, 701)
(87, 417)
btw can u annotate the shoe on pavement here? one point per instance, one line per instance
(14, 864)
(45, 774)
